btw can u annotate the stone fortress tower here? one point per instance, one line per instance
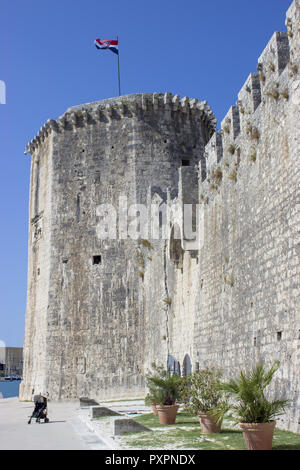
(99, 311)
(85, 330)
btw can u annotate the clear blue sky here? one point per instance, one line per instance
(197, 48)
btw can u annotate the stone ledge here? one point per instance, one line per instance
(123, 425)
(102, 411)
(87, 402)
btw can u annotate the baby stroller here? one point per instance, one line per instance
(40, 409)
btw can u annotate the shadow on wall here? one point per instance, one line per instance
(187, 366)
(175, 368)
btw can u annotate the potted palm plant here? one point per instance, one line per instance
(251, 408)
(164, 390)
(204, 396)
(151, 398)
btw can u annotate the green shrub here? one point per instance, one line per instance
(231, 149)
(140, 259)
(204, 391)
(147, 244)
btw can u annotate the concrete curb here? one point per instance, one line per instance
(109, 441)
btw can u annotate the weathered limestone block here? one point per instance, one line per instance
(125, 425)
(101, 411)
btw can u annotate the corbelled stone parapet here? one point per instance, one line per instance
(137, 105)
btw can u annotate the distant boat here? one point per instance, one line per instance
(10, 378)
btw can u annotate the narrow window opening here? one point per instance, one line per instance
(279, 335)
(78, 208)
(97, 259)
(255, 342)
(175, 249)
(185, 162)
(160, 215)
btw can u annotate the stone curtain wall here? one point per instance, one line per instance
(237, 303)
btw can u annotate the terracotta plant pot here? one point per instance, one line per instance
(154, 409)
(208, 423)
(258, 436)
(167, 413)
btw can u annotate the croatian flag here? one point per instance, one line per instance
(111, 44)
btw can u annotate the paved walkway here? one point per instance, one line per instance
(104, 427)
(65, 431)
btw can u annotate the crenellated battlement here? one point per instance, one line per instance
(128, 106)
(244, 126)
(293, 29)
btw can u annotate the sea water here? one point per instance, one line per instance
(10, 388)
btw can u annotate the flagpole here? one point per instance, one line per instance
(119, 68)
